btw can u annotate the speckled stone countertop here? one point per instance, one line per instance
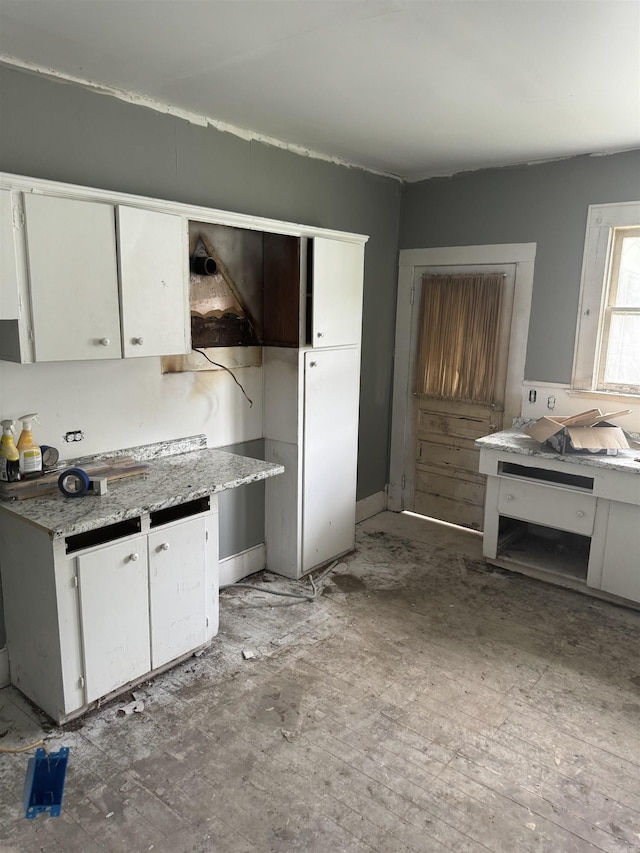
(170, 480)
(516, 441)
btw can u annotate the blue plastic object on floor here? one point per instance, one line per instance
(44, 782)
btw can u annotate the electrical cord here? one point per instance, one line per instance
(230, 372)
(316, 589)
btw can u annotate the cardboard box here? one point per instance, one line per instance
(587, 432)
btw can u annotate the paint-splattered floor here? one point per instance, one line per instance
(423, 703)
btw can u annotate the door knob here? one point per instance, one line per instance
(165, 546)
(104, 342)
(133, 558)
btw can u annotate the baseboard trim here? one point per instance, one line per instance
(371, 506)
(238, 566)
(4, 667)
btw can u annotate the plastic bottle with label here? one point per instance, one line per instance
(30, 453)
(9, 454)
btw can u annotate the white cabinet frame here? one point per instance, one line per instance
(15, 323)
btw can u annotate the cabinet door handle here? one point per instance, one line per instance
(580, 513)
(104, 342)
(133, 558)
(508, 497)
(165, 546)
(313, 364)
(138, 341)
(321, 334)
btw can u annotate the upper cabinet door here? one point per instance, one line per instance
(15, 344)
(153, 258)
(338, 269)
(71, 252)
(9, 302)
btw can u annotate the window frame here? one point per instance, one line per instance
(602, 220)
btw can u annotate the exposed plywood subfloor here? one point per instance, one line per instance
(422, 704)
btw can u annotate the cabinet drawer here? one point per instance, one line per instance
(551, 506)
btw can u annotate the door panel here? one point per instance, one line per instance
(153, 255)
(338, 269)
(71, 248)
(113, 589)
(515, 258)
(621, 571)
(330, 453)
(446, 481)
(177, 590)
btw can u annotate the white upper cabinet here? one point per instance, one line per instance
(13, 304)
(90, 274)
(153, 263)
(338, 269)
(86, 279)
(73, 278)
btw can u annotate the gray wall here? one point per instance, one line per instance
(62, 132)
(544, 204)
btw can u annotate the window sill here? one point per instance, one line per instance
(603, 396)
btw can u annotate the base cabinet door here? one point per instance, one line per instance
(621, 565)
(114, 606)
(177, 590)
(331, 395)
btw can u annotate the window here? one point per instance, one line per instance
(619, 356)
(607, 354)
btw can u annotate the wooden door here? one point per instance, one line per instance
(332, 381)
(460, 380)
(71, 249)
(114, 613)
(177, 590)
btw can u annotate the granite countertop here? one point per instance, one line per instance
(170, 480)
(516, 441)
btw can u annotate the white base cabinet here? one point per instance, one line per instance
(85, 622)
(563, 520)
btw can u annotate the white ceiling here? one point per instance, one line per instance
(412, 88)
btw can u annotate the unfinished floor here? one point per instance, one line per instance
(423, 703)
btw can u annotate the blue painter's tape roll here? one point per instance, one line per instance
(74, 482)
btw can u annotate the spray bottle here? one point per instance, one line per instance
(9, 454)
(30, 453)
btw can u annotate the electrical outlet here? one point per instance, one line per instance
(532, 395)
(551, 402)
(73, 435)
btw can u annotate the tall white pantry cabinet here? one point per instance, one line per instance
(311, 404)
